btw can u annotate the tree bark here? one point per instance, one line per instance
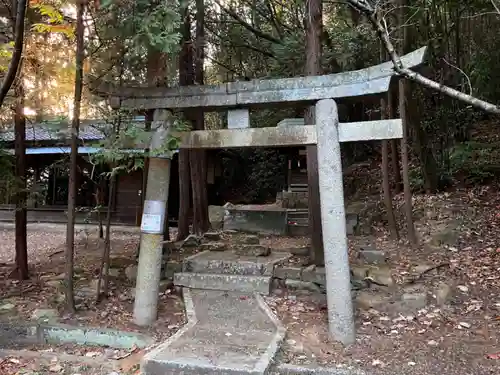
(198, 160)
(314, 31)
(392, 100)
(19, 20)
(384, 113)
(186, 77)
(70, 233)
(21, 270)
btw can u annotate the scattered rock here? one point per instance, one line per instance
(422, 268)
(302, 285)
(191, 241)
(7, 307)
(447, 236)
(211, 236)
(380, 275)
(120, 262)
(131, 273)
(45, 314)
(288, 273)
(359, 273)
(373, 256)
(216, 216)
(213, 246)
(254, 250)
(351, 223)
(414, 298)
(54, 283)
(368, 300)
(114, 272)
(443, 293)
(299, 251)
(249, 239)
(165, 285)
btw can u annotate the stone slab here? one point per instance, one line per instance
(230, 263)
(212, 343)
(246, 284)
(256, 221)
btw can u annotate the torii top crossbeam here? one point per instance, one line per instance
(369, 81)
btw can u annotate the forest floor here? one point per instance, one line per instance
(42, 299)
(458, 257)
(459, 248)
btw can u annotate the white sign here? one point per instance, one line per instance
(151, 223)
(153, 217)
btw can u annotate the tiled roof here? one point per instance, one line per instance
(90, 130)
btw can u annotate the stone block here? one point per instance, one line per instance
(414, 298)
(253, 250)
(237, 283)
(351, 221)
(299, 251)
(292, 284)
(249, 239)
(288, 273)
(373, 256)
(216, 216)
(191, 241)
(171, 268)
(256, 221)
(213, 246)
(211, 236)
(443, 293)
(309, 273)
(368, 300)
(381, 275)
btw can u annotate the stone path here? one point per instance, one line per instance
(227, 333)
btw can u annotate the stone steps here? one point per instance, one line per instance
(224, 282)
(226, 267)
(225, 334)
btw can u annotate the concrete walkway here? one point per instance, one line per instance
(227, 333)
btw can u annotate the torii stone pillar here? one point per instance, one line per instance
(152, 225)
(338, 285)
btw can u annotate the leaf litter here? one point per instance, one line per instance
(20, 301)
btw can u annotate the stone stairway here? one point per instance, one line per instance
(247, 267)
(230, 328)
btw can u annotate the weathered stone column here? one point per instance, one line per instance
(152, 225)
(338, 285)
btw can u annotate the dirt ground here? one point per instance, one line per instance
(461, 337)
(21, 301)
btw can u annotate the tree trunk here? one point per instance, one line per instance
(70, 233)
(186, 77)
(404, 113)
(21, 270)
(198, 160)
(396, 169)
(314, 31)
(384, 113)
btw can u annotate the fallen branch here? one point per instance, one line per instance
(370, 11)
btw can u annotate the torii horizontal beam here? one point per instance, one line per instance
(288, 136)
(372, 80)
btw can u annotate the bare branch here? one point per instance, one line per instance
(11, 74)
(370, 11)
(246, 25)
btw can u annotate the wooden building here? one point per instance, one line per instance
(47, 164)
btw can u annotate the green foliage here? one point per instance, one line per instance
(475, 162)
(147, 23)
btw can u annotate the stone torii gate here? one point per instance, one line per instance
(238, 98)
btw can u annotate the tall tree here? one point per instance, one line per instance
(21, 193)
(75, 127)
(186, 77)
(198, 161)
(313, 20)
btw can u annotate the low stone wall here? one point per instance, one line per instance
(256, 220)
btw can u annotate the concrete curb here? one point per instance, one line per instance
(191, 322)
(288, 369)
(267, 358)
(62, 333)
